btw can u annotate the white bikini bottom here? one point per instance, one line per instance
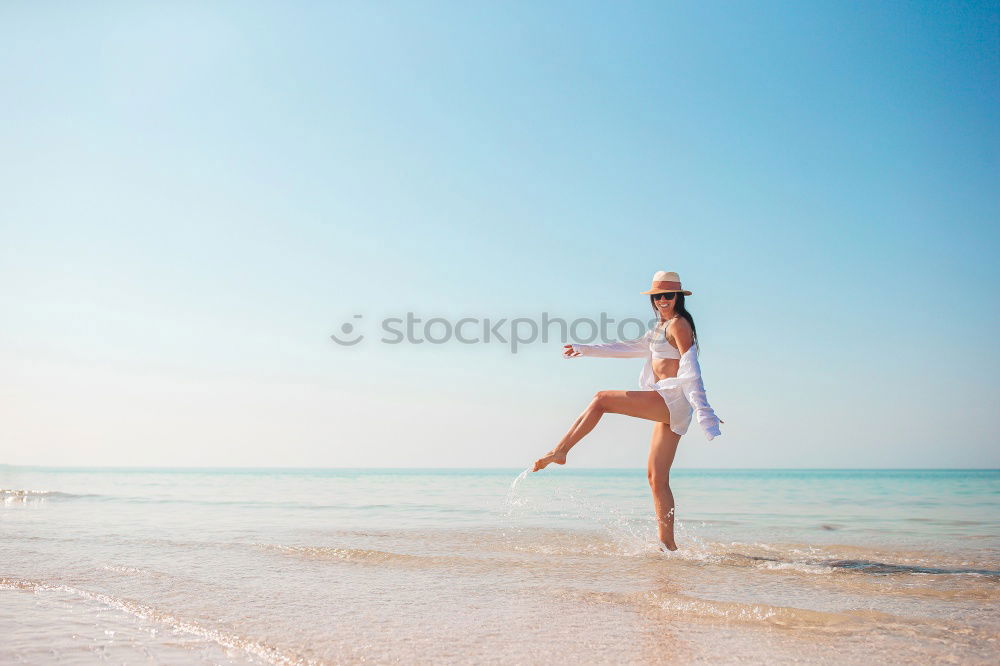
(679, 408)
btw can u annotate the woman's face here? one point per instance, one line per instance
(663, 305)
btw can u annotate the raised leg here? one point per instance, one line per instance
(662, 448)
(640, 404)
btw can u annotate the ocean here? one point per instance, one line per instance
(494, 566)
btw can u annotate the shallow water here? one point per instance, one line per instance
(496, 566)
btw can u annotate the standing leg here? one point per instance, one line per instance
(661, 456)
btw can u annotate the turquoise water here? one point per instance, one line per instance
(453, 566)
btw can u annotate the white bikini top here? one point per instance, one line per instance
(658, 345)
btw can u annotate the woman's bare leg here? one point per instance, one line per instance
(661, 456)
(640, 404)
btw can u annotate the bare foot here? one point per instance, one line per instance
(669, 545)
(550, 457)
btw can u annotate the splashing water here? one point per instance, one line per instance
(628, 533)
(512, 499)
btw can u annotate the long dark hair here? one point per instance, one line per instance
(680, 310)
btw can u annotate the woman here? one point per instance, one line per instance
(672, 390)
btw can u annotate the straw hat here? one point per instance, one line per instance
(665, 282)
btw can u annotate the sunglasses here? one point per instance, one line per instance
(668, 297)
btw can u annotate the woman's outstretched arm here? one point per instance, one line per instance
(625, 349)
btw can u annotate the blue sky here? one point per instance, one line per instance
(196, 196)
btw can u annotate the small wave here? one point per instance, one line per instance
(451, 563)
(784, 617)
(22, 496)
(260, 649)
(342, 554)
(826, 565)
(867, 566)
(945, 521)
(854, 622)
(130, 571)
(697, 608)
(366, 556)
(846, 622)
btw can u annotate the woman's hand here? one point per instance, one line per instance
(569, 352)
